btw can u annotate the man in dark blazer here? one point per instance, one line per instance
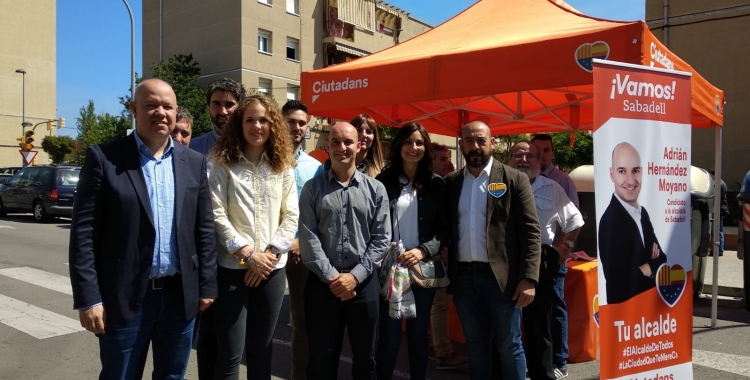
(629, 252)
(142, 242)
(494, 254)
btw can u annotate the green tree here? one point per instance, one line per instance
(96, 129)
(57, 147)
(503, 145)
(181, 72)
(582, 152)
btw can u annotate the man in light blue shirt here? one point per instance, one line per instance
(295, 114)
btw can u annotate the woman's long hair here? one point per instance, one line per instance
(278, 147)
(374, 156)
(395, 167)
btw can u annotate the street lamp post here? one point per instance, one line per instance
(132, 61)
(24, 123)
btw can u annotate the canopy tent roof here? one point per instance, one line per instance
(519, 65)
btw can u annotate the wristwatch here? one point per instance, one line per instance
(569, 243)
(275, 250)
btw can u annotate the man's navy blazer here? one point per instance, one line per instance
(621, 252)
(112, 234)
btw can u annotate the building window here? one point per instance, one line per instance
(266, 2)
(264, 86)
(292, 6)
(264, 41)
(292, 46)
(292, 92)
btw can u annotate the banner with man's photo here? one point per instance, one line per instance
(642, 182)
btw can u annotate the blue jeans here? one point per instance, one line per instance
(488, 316)
(559, 322)
(161, 319)
(389, 340)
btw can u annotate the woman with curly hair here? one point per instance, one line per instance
(255, 210)
(417, 201)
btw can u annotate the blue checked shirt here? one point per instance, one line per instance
(159, 177)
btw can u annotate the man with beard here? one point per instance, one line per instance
(494, 254)
(556, 212)
(629, 252)
(295, 114)
(223, 96)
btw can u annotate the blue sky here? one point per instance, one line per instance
(93, 45)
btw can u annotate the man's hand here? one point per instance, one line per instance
(654, 251)
(347, 296)
(411, 257)
(294, 255)
(524, 293)
(562, 254)
(263, 263)
(645, 269)
(93, 319)
(204, 303)
(343, 283)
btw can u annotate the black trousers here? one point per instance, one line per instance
(537, 317)
(326, 317)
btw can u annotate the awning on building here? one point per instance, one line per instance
(351, 50)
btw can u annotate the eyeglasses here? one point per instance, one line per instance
(521, 156)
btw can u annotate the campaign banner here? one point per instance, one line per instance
(642, 183)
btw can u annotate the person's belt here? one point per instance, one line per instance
(164, 282)
(474, 265)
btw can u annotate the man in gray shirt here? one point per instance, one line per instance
(345, 230)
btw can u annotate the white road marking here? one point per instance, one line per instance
(35, 321)
(737, 364)
(41, 278)
(345, 359)
(4, 226)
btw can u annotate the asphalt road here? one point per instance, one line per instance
(34, 271)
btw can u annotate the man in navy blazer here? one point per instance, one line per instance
(142, 242)
(629, 252)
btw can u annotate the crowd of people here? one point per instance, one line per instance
(175, 239)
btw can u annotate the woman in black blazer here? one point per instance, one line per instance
(417, 203)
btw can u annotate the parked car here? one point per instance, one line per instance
(44, 191)
(7, 173)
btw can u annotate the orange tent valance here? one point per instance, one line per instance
(519, 65)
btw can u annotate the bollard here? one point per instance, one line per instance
(744, 198)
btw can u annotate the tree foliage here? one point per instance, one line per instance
(57, 147)
(181, 72)
(582, 152)
(96, 129)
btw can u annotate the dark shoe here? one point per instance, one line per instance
(561, 373)
(431, 353)
(451, 361)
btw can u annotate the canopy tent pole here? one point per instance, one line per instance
(715, 229)
(459, 155)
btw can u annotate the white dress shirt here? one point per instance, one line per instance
(472, 216)
(406, 219)
(634, 213)
(554, 208)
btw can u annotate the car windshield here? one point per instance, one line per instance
(67, 177)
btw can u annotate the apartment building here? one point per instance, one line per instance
(712, 37)
(267, 44)
(28, 41)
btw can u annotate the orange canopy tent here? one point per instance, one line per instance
(519, 65)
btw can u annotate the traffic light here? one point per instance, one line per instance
(61, 123)
(28, 140)
(22, 142)
(49, 125)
